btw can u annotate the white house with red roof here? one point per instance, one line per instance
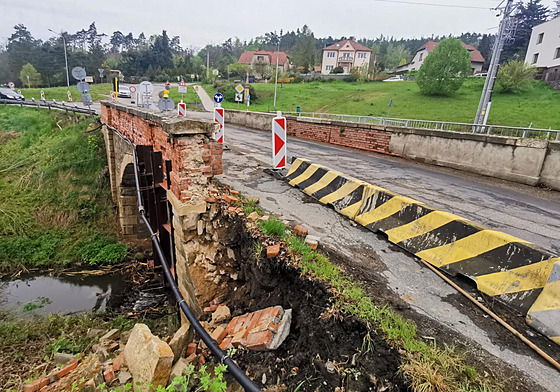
(477, 61)
(264, 58)
(346, 54)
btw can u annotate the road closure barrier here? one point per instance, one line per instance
(516, 272)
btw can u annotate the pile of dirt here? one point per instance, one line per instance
(325, 350)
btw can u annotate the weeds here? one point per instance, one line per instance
(273, 227)
(38, 303)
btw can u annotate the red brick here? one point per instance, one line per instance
(226, 343)
(65, 370)
(191, 349)
(109, 375)
(301, 230)
(258, 340)
(118, 362)
(36, 385)
(233, 192)
(230, 199)
(201, 359)
(272, 251)
(211, 200)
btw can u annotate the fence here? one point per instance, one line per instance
(499, 130)
(49, 105)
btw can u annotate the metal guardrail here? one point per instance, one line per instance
(49, 105)
(498, 130)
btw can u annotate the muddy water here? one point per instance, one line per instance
(36, 294)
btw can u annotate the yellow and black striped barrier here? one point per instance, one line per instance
(518, 273)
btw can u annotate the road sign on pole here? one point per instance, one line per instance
(79, 73)
(11, 85)
(69, 96)
(218, 98)
(182, 109)
(219, 118)
(279, 140)
(42, 95)
(239, 88)
(113, 95)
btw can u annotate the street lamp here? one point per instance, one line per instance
(276, 80)
(65, 57)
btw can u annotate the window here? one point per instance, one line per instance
(535, 58)
(328, 67)
(362, 55)
(557, 53)
(330, 54)
(421, 56)
(540, 38)
(345, 54)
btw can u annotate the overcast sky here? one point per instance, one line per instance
(213, 21)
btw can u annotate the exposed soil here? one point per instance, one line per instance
(315, 338)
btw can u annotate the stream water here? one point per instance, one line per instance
(65, 294)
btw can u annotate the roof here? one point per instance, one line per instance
(353, 44)
(476, 56)
(247, 57)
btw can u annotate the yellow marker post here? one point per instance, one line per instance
(116, 88)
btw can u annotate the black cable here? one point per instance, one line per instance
(215, 349)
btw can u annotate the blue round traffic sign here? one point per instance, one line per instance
(218, 97)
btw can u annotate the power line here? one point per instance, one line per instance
(433, 4)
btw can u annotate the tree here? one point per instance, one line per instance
(445, 69)
(29, 76)
(528, 15)
(515, 77)
(556, 11)
(396, 55)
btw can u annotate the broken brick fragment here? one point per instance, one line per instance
(234, 192)
(211, 200)
(272, 251)
(191, 349)
(300, 230)
(109, 375)
(37, 384)
(230, 199)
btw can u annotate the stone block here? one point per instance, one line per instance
(148, 358)
(180, 341)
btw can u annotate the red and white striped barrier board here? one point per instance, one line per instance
(182, 109)
(42, 95)
(279, 142)
(219, 118)
(113, 96)
(69, 96)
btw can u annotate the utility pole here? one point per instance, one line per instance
(207, 65)
(276, 80)
(506, 27)
(65, 57)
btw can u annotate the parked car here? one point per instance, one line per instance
(124, 92)
(394, 79)
(481, 75)
(6, 93)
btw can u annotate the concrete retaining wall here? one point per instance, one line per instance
(527, 161)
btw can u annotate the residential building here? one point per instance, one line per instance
(346, 54)
(477, 61)
(544, 51)
(263, 61)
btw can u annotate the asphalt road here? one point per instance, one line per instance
(529, 214)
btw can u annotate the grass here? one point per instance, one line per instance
(429, 368)
(533, 108)
(98, 92)
(56, 206)
(190, 98)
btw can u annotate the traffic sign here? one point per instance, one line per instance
(19, 91)
(79, 73)
(239, 97)
(239, 88)
(182, 109)
(132, 89)
(218, 98)
(166, 104)
(42, 95)
(113, 95)
(146, 87)
(86, 99)
(215, 72)
(100, 70)
(279, 141)
(182, 88)
(83, 87)
(11, 85)
(69, 96)
(89, 79)
(219, 118)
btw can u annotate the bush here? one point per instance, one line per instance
(515, 77)
(445, 69)
(337, 70)
(102, 249)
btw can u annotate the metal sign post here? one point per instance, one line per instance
(390, 106)
(146, 90)
(132, 94)
(116, 88)
(182, 89)
(279, 139)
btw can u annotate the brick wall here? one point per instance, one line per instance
(188, 144)
(362, 137)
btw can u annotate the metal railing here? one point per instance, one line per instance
(489, 129)
(49, 105)
(345, 59)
